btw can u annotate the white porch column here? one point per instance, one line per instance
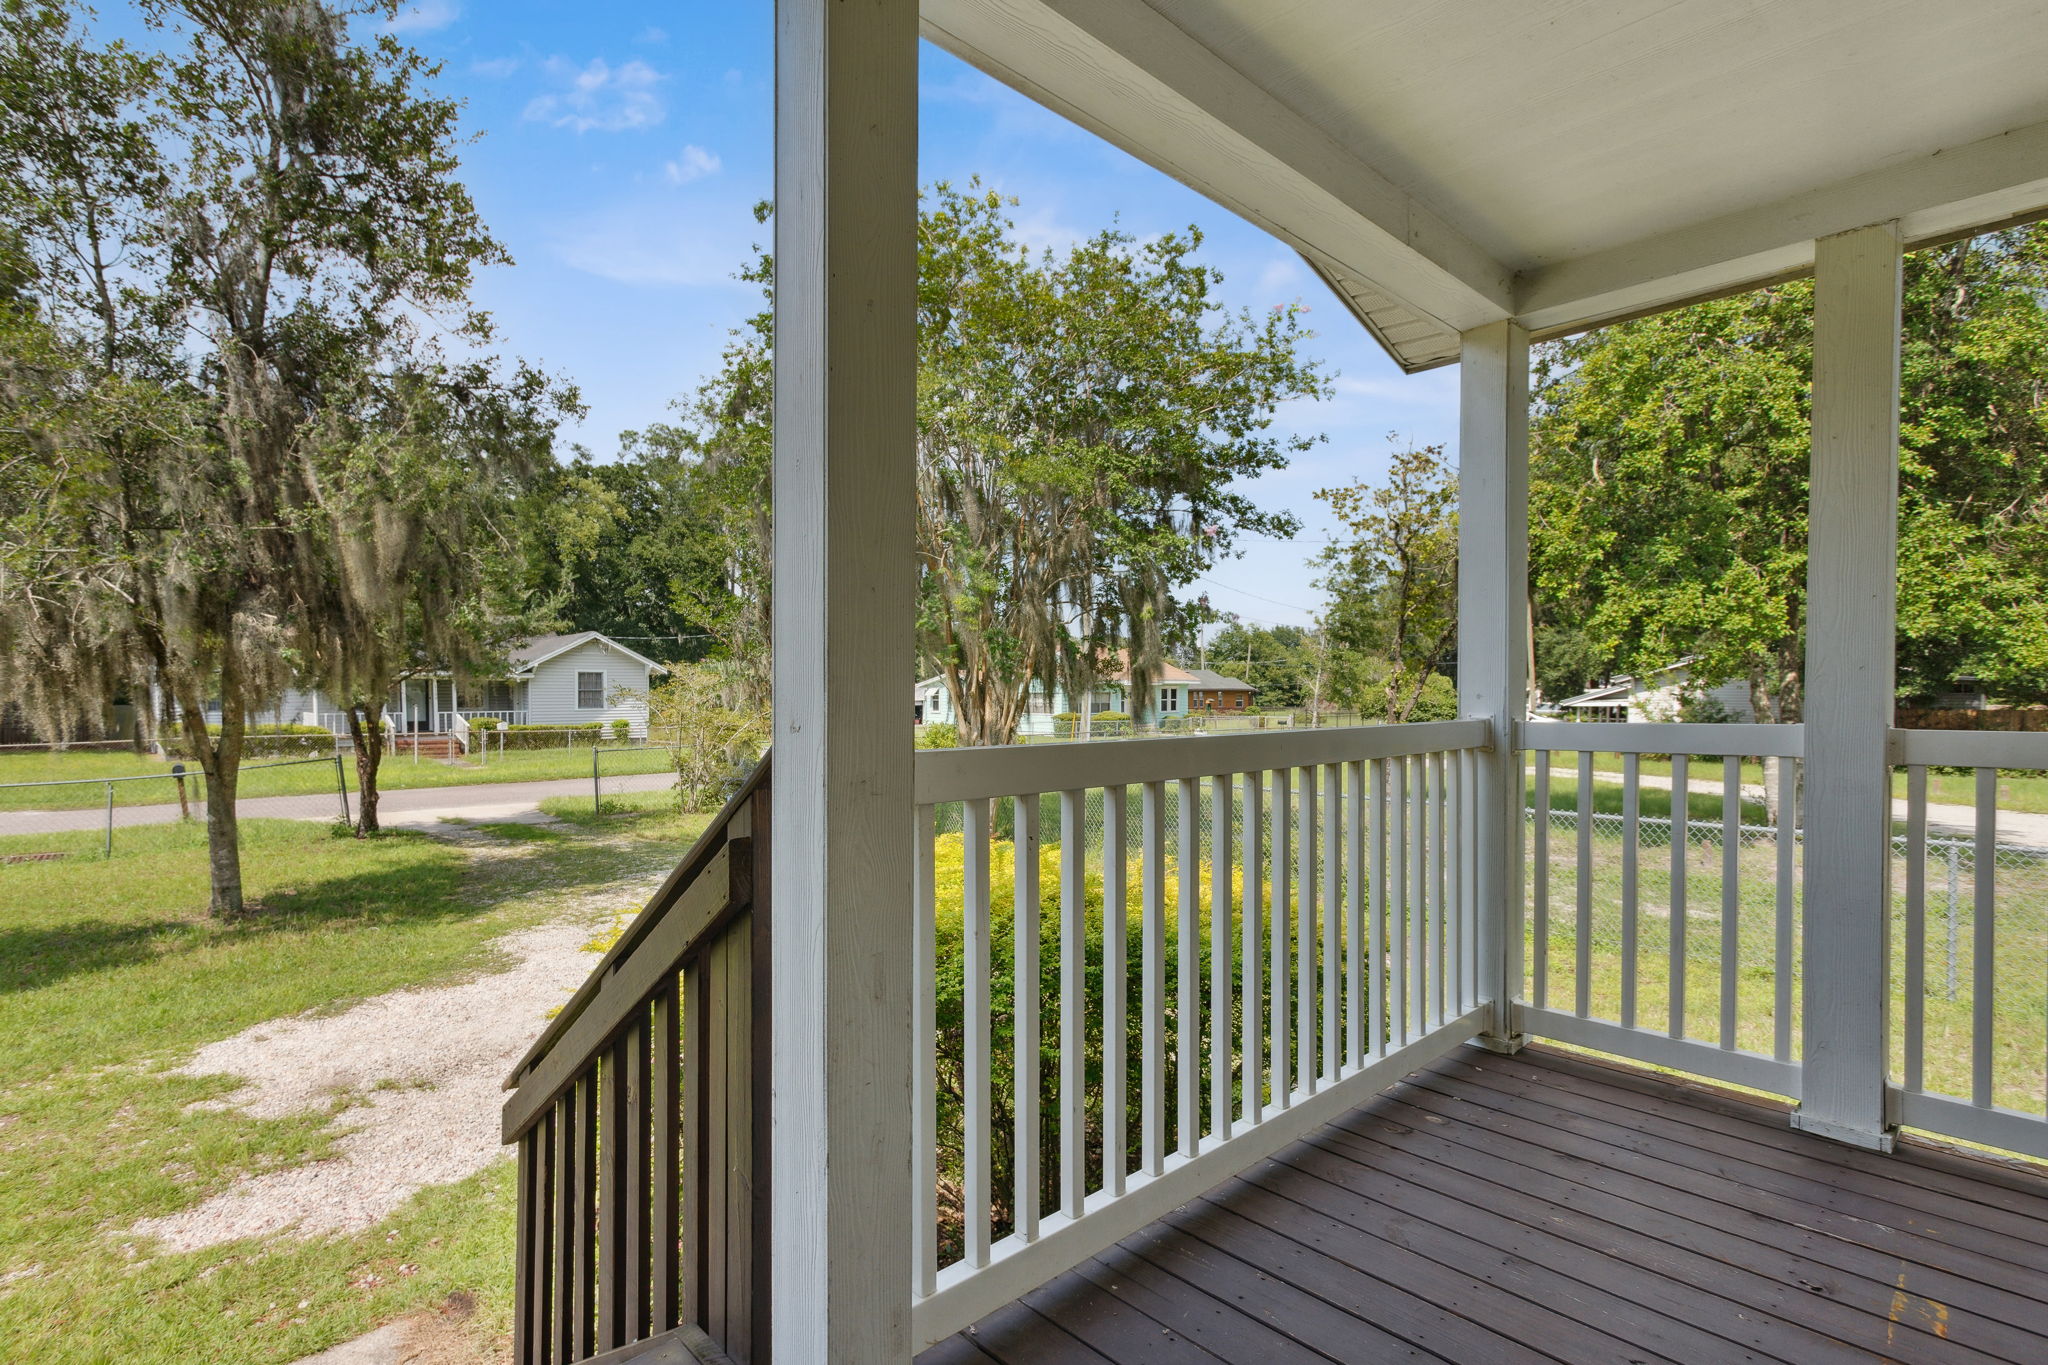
(1493, 624)
(845, 392)
(1851, 594)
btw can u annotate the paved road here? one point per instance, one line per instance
(407, 806)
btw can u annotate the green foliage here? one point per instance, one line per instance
(622, 730)
(1394, 586)
(1568, 661)
(1108, 724)
(938, 734)
(1669, 493)
(950, 1010)
(1278, 660)
(229, 257)
(1083, 418)
(715, 733)
(270, 741)
(582, 736)
(632, 547)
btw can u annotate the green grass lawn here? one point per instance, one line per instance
(397, 772)
(2022, 791)
(2020, 970)
(110, 974)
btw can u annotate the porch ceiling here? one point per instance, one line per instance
(1564, 163)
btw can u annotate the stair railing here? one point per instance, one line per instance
(641, 1117)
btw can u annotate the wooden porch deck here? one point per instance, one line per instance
(1548, 1208)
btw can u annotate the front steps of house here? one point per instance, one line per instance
(427, 746)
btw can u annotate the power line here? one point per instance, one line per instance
(1291, 606)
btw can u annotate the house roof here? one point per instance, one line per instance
(530, 654)
(1608, 692)
(1219, 682)
(1443, 167)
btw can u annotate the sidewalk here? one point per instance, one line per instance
(407, 806)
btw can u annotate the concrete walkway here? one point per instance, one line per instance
(406, 806)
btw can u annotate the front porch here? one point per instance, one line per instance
(1083, 1047)
(1544, 1207)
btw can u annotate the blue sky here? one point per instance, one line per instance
(621, 147)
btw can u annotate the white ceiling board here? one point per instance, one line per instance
(1446, 162)
(1118, 68)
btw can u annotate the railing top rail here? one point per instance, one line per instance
(967, 774)
(701, 855)
(1661, 737)
(1970, 748)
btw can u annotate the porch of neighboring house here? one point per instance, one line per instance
(828, 1094)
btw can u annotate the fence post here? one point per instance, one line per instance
(341, 786)
(596, 791)
(110, 819)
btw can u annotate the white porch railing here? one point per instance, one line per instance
(1260, 930)
(1674, 939)
(448, 718)
(458, 726)
(1970, 1058)
(1610, 940)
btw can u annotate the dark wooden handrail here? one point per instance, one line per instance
(641, 1119)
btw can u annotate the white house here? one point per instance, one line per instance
(563, 680)
(1172, 694)
(1656, 696)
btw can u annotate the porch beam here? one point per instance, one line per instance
(1493, 640)
(845, 385)
(1851, 594)
(1128, 73)
(1946, 193)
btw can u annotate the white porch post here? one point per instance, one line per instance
(845, 388)
(1851, 594)
(1493, 617)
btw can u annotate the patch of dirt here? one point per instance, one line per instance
(413, 1079)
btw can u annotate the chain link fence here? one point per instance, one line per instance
(1947, 974)
(91, 817)
(1948, 969)
(1707, 883)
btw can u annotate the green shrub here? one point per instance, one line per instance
(622, 730)
(264, 741)
(1173, 725)
(554, 736)
(1110, 723)
(485, 723)
(938, 734)
(1066, 724)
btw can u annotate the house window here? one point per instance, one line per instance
(1169, 699)
(590, 691)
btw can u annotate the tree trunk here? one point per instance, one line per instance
(221, 762)
(368, 737)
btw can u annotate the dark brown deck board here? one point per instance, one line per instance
(1545, 1208)
(1855, 1246)
(1821, 1172)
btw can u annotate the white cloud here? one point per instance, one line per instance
(643, 242)
(651, 34)
(425, 16)
(600, 97)
(694, 164)
(494, 68)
